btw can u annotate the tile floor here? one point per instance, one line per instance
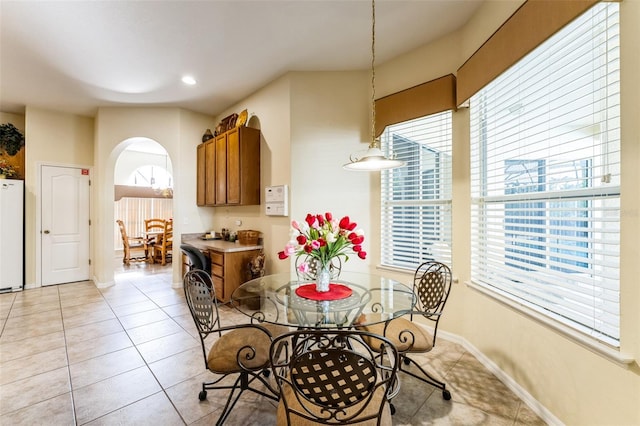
(129, 354)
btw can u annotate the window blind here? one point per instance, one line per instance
(416, 199)
(545, 173)
(134, 211)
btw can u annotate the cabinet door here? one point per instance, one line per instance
(233, 167)
(221, 169)
(210, 173)
(201, 176)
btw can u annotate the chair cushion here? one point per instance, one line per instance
(423, 339)
(223, 356)
(372, 408)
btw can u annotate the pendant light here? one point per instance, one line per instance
(373, 158)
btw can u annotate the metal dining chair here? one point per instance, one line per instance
(332, 377)
(240, 350)
(431, 285)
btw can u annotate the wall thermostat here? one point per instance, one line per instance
(277, 200)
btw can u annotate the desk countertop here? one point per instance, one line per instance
(219, 245)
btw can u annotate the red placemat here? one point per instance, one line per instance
(336, 292)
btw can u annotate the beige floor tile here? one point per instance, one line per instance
(187, 324)
(169, 299)
(133, 308)
(102, 367)
(88, 318)
(153, 331)
(112, 394)
(26, 347)
(80, 300)
(54, 411)
(11, 334)
(473, 385)
(23, 300)
(86, 349)
(34, 319)
(179, 367)
(184, 397)
(25, 392)
(37, 293)
(86, 308)
(143, 318)
(527, 417)
(177, 310)
(19, 311)
(437, 411)
(128, 299)
(152, 411)
(21, 368)
(93, 330)
(258, 412)
(164, 347)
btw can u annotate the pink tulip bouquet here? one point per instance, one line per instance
(323, 238)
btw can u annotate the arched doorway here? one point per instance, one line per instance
(143, 187)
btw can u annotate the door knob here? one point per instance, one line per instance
(46, 231)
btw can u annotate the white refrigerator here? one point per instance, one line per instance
(11, 235)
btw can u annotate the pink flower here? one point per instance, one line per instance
(315, 244)
(295, 225)
(303, 267)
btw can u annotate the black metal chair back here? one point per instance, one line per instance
(332, 377)
(431, 285)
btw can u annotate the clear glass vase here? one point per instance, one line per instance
(322, 279)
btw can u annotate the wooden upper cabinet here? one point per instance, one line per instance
(221, 169)
(210, 172)
(232, 168)
(201, 176)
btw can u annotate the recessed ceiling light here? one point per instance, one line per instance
(187, 79)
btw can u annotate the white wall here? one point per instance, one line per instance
(129, 161)
(310, 122)
(54, 138)
(179, 132)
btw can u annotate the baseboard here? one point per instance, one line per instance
(508, 381)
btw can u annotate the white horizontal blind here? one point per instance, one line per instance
(416, 198)
(134, 211)
(545, 173)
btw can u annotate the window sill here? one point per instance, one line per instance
(599, 348)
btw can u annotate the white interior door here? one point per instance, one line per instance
(65, 224)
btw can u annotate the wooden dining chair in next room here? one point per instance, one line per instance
(131, 246)
(431, 286)
(152, 226)
(237, 350)
(163, 246)
(331, 377)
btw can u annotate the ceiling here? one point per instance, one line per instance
(76, 56)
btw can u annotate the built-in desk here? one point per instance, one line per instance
(228, 263)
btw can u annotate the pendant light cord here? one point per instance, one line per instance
(373, 74)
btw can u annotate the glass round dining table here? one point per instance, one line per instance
(353, 299)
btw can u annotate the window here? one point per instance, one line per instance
(416, 199)
(545, 176)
